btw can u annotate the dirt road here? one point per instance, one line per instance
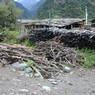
(78, 82)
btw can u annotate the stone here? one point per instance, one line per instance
(19, 66)
(34, 93)
(23, 90)
(46, 88)
(1, 65)
(53, 81)
(22, 73)
(27, 75)
(67, 69)
(37, 75)
(28, 70)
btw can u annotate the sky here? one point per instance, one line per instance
(22, 0)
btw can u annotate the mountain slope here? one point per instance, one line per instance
(35, 7)
(28, 3)
(67, 8)
(26, 13)
(32, 5)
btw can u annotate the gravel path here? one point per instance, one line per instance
(78, 82)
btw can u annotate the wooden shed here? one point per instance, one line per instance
(65, 23)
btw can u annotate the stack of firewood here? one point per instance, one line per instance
(70, 38)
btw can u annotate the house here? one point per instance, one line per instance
(65, 23)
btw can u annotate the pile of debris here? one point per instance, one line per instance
(70, 38)
(55, 56)
(48, 58)
(11, 53)
(56, 52)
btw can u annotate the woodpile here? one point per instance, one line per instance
(38, 35)
(48, 58)
(70, 38)
(79, 39)
(56, 52)
(10, 53)
(54, 57)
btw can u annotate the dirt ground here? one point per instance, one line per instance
(78, 82)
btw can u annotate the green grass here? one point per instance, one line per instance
(89, 56)
(11, 39)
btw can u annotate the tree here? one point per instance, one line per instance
(67, 9)
(8, 14)
(3, 15)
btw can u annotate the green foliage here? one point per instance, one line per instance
(30, 63)
(28, 43)
(89, 56)
(11, 38)
(8, 14)
(68, 8)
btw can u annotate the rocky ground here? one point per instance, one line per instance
(78, 82)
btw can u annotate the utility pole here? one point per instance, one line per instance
(86, 15)
(49, 15)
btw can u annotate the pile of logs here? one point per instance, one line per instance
(56, 52)
(11, 53)
(70, 38)
(79, 39)
(38, 35)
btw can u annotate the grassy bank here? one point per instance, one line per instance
(89, 56)
(11, 39)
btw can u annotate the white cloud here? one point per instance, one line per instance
(37, 0)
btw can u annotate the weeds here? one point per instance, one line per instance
(11, 39)
(89, 56)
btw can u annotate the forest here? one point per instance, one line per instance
(67, 9)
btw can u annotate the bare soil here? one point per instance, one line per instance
(78, 82)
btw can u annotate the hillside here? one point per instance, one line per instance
(67, 8)
(26, 13)
(30, 7)
(31, 3)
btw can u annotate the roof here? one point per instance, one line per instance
(52, 22)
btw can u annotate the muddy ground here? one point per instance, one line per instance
(78, 82)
